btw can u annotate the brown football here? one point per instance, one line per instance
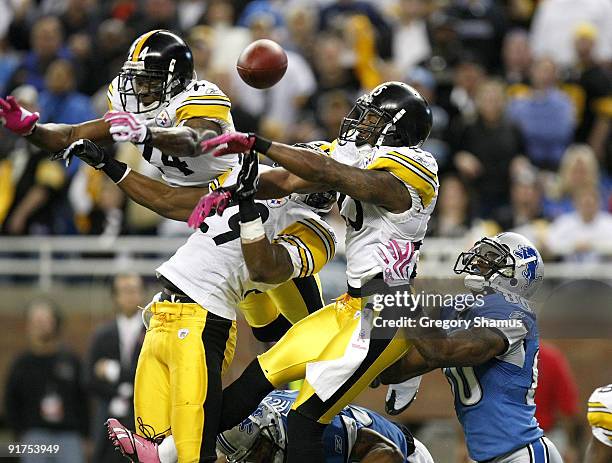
(262, 64)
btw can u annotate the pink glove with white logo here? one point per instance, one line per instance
(216, 201)
(235, 142)
(397, 259)
(15, 118)
(126, 127)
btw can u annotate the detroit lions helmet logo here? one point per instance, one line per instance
(530, 257)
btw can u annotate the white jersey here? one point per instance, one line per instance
(600, 414)
(210, 267)
(201, 99)
(369, 225)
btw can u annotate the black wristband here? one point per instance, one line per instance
(247, 210)
(261, 145)
(115, 169)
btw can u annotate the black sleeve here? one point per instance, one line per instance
(95, 386)
(13, 399)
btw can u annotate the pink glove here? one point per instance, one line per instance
(15, 118)
(126, 127)
(217, 200)
(397, 259)
(235, 142)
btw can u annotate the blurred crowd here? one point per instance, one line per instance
(521, 93)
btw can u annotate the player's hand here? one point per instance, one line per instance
(216, 201)
(248, 178)
(86, 150)
(229, 143)
(125, 126)
(397, 259)
(15, 118)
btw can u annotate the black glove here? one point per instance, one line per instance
(248, 178)
(87, 151)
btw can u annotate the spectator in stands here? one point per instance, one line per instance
(579, 169)
(332, 108)
(280, 105)
(158, 14)
(524, 214)
(60, 102)
(583, 235)
(45, 401)
(411, 28)
(425, 83)
(481, 25)
(533, 112)
(97, 202)
(98, 69)
(31, 186)
(111, 363)
(557, 401)
(516, 56)
(8, 64)
(341, 10)
(228, 39)
(554, 23)
(452, 216)
(47, 41)
(486, 148)
(461, 101)
(595, 84)
(302, 27)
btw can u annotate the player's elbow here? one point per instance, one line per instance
(262, 273)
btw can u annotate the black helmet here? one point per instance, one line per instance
(393, 114)
(159, 66)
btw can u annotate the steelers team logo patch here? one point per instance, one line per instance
(273, 203)
(163, 119)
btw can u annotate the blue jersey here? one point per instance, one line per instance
(495, 401)
(340, 436)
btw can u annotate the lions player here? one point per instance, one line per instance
(600, 419)
(491, 364)
(355, 434)
(388, 188)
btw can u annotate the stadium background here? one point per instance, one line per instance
(521, 96)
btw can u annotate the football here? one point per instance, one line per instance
(262, 64)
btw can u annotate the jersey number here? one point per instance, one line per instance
(465, 385)
(234, 225)
(169, 161)
(357, 224)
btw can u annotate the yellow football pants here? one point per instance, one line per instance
(295, 299)
(324, 335)
(177, 387)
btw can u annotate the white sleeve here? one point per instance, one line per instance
(298, 254)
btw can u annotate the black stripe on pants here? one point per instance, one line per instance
(214, 337)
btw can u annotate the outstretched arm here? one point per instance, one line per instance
(465, 347)
(49, 137)
(56, 137)
(173, 141)
(371, 186)
(184, 141)
(172, 202)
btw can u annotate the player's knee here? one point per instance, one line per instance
(272, 332)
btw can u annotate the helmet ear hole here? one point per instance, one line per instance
(513, 282)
